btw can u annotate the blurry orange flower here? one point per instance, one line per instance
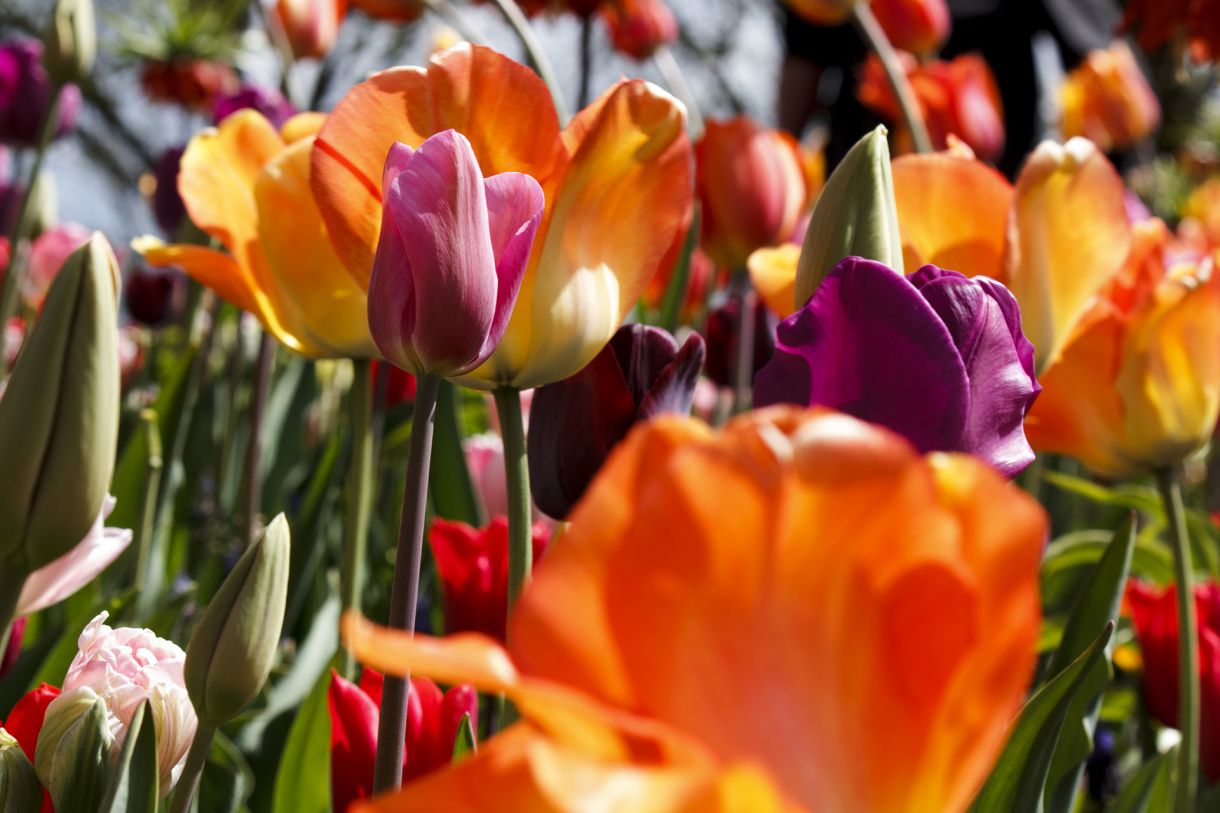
(751, 185)
(1158, 22)
(823, 12)
(639, 27)
(1108, 100)
(917, 26)
(617, 182)
(879, 608)
(311, 26)
(399, 11)
(1138, 385)
(248, 187)
(958, 98)
(1203, 209)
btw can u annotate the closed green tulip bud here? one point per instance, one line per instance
(232, 649)
(70, 44)
(73, 752)
(19, 786)
(59, 415)
(855, 216)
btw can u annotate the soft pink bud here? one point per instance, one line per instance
(452, 253)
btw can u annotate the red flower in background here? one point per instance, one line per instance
(433, 718)
(918, 26)
(25, 722)
(1157, 22)
(473, 568)
(1155, 615)
(639, 27)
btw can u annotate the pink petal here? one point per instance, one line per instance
(514, 210)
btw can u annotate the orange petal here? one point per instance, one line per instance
(773, 272)
(502, 107)
(768, 573)
(618, 215)
(952, 212)
(210, 268)
(1068, 236)
(313, 294)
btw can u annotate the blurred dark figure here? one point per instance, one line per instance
(819, 71)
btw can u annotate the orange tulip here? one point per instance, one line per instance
(1108, 100)
(854, 634)
(751, 185)
(917, 26)
(1202, 209)
(958, 98)
(310, 26)
(616, 180)
(248, 187)
(823, 12)
(1138, 385)
(399, 11)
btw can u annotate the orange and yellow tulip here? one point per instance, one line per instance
(247, 186)
(1108, 100)
(1137, 387)
(880, 608)
(752, 189)
(617, 182)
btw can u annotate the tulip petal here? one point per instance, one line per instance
(210, 268)
(867, 343)
(54, 582)
(952, 212)
(673, 390)
(514, 210)
(353, 741)
(773, 274)
(500, 105)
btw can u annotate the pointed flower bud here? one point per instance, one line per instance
(59, 415)
(232, 649)
(640, 374)
(451, 256)
(71, 41)
(855, 216)
(73, 746)
(19, 786)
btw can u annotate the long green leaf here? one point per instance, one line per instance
(1096, 606)
(1139, 791)
(1017, 780)
(302, 784)
(134, 782)
(464, 744)
(452, 489)
(679, 280)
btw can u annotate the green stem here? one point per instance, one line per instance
(12, 275)
(1188, 651)
(676, 79)
(517, 476)
(147, 590)
(453, 15)
(252, 469)
(196, 758)
(360, 495)
(525, 32)
(404, 592)
(873, 34)
(12, 579)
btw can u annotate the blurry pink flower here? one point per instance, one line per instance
(47, 254)
(124, 666)
(485, 460)
(131, 352)
(14, 335)
(53, 583)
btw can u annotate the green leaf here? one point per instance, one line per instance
(227, 779)
(133, 783)
(1152, 780)
(1017, 780)
(452, 490)
(464, 743)
(77, 785)
(1135, 498)
(1096, 606)
(679, 280)
(302, 784)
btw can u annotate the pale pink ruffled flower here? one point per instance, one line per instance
(54, 582)
(124, 666)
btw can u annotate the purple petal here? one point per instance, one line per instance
(868, 344)
(643, 352)
(391, 293)
(673, 390)
(514, 210)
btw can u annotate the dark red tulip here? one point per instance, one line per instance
(154, 296)
(167, 205)
(721, 332)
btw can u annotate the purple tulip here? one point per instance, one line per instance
(722, 332)
(451, 256)
(167, 205)
(26, 92)
(937, 357)
(274, 107)
(641, 373)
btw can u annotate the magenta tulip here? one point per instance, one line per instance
(451, 257)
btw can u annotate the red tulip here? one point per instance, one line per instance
(1154, 613)
(473, 568)
(918, 26)
(433, 718)
(639, 27)
(25, 722)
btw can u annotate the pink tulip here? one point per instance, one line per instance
(61, 578)
(451, 257)
(485, 461)
(47, 255)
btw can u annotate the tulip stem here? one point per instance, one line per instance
(404, 592)
(517, 477)
(252, 468)
(360, 494)
(743, 353)
(525, 32)
(874, 35)
(1188, 652)
(12, 275)
(676, 79)
(196, 758)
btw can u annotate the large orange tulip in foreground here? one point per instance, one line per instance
(617, 182)
(247, 186)
(797, 614)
